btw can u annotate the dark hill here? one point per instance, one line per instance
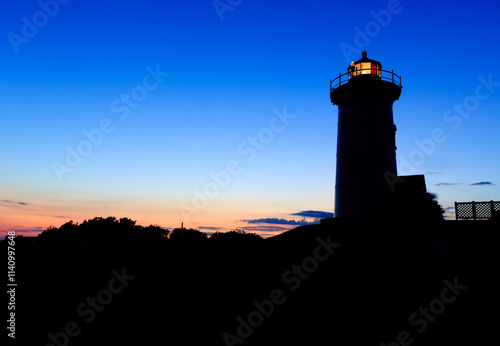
(345, 282)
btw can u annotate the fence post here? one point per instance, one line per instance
(492, 205)
(456, 211)
(474, 210)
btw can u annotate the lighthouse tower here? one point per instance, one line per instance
(366, 140)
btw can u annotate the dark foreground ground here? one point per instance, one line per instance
(344, 282)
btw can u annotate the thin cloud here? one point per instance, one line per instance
(482, 183)
(265, 231)
(58, 216)
(317, 214)
(276, 221)
(272, 229)
(28, 231)
(12, 202)
(211, 228)
(36, 230)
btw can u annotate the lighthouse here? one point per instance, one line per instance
(366, 139)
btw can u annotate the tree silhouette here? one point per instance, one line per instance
(410, 200)
(433, 210)
(66, 231)
(235, 236)
(105, 227)
(127, 225)
(152, 231)
(185, 234)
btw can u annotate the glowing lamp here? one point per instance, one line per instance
(364, 66)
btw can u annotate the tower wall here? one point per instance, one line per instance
(366, 147)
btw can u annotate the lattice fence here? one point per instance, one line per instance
(476, 210)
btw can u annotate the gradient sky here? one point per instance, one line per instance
(173, 94)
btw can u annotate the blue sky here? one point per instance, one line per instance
(221, 75)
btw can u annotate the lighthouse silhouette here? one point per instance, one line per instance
(366, 140)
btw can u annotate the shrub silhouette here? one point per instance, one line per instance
(235, 236)
(104, 227)
(187, 234)
(410, 200)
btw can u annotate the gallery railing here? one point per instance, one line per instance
(385, 75)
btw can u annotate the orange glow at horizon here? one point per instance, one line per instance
(30, 220)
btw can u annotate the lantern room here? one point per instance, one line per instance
(374, 79)
(364, 66)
